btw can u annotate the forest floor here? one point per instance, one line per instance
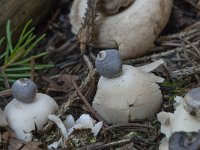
(74, 79)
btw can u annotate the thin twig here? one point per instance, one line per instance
(130, 125)
(177, 74)
(32, 67)
(2, 72)
(89, 107)
(88, 62)
(111, 144)
(193, 46)
(5, 93)
(101, 145)
(152, 57)
(193, 4)
(179, 34)
(67, 44)
(52, 20)
(65, 106)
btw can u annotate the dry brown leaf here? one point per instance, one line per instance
(15, 144)
(128, 146)
(3, 121)
(5, 136)
(4, 140)
(67, 79)
(63, 83)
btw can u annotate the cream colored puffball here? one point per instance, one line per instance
(132, 96)
(132, 31)
(22, 117)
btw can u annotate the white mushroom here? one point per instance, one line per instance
(132, 31)
(113, 6)
(23, 114)
(133, 95)
(185, 117)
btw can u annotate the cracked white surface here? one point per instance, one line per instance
(134, 95)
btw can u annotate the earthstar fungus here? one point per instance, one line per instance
(132, 95)
(28, 109)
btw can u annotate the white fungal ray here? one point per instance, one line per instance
(85, 120)
(69, 121)
(60, 124)
(97, 127)
(155, 78)
(152, 66)
(164, 119)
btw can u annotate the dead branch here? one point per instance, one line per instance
(181, 73)
(66, 105)
(89, 107)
